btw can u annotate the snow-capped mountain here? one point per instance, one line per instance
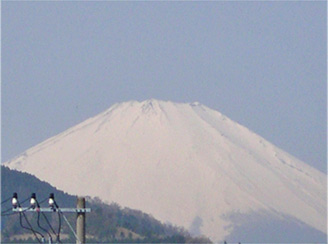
(183, 163)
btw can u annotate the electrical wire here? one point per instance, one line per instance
(56, 207)
(6, 211)
(6, 200)
(43, 201)
(59, 222)
(45, 217)
(4, 215)
(24, 201)
(70, 226)
(38, 221)
(25, 210)
(31, 228)
(10, 209)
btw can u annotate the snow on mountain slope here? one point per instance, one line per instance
(179, 162)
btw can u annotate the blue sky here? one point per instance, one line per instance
(263, 64)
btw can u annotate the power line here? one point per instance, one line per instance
(70, 226)
(43, 201)
(80, 210)
(4, 215)
(31, 228)
(6, 200)
(24, 201)
(38, 223)
(45, 217)
(16, 204)
(10, 209)
(54, 206)
(6, 211)
(26, 209)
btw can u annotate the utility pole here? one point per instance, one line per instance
(80, 221)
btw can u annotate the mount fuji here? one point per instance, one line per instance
(185, 164)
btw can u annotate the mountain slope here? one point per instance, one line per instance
(183, 163)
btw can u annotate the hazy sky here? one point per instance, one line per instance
(263, 64)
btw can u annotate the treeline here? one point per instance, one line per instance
(106, 223)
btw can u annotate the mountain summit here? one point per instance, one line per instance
(183, 163)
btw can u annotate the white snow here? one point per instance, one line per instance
(177, 162)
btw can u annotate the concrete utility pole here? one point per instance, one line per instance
(80, 221)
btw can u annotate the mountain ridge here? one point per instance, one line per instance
(190, 153)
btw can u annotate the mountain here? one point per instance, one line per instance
(185, 164)
(105, 223)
